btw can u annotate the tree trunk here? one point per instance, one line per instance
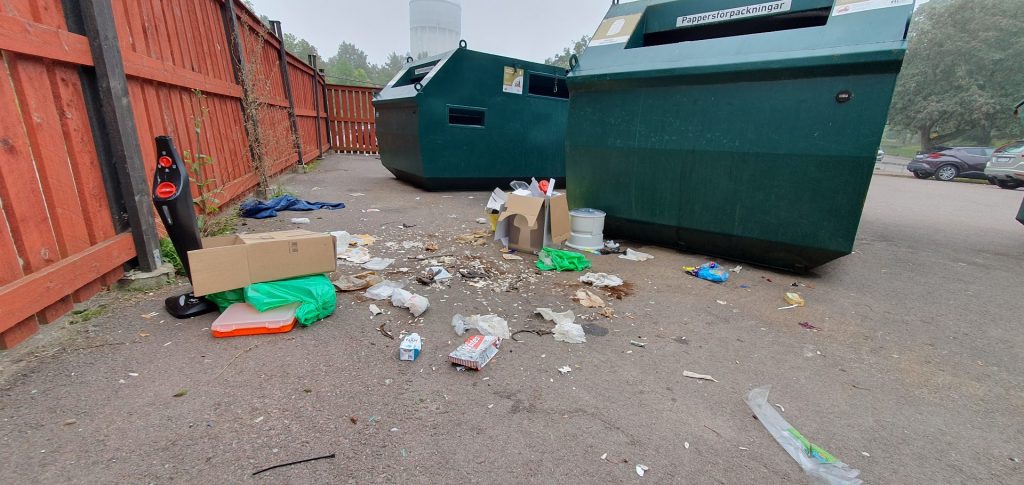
(926, 138)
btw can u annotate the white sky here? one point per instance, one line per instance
(527, 29)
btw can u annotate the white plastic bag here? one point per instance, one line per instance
(818, 463)
(566, 330)
(601, 280)
(384, 289)
(400, 297)
(417, 305)
(635, 255)
(487, 325)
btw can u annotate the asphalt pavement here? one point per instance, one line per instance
(912, 372)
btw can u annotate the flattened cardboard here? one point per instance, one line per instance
(230, 262)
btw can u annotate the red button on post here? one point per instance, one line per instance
(165, 162)
(166, 190)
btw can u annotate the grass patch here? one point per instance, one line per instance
(86, 314)
(312, 165)
(220, 225)
(169, 255)
(280, 190)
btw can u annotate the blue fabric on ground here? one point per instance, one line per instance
(257, 209)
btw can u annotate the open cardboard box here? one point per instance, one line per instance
(231, 262)
(530, 223)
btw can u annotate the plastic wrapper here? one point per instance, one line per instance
(819, 464)
(487, 325)
(476, 352)
(601, 280)
(635, 255)
(415, 303)
(315, 295)
(378, 264)
(566, 329)
(383, 290)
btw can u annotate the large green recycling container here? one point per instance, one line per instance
(470, 120)
(742, 129)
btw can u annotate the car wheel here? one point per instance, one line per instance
(992, 181)
(921, 175)
(1007, 184)
(946, 173)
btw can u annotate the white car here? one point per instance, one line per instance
(1006, 168)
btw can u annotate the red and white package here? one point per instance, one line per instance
(476, 352)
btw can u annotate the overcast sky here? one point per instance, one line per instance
(527, 29)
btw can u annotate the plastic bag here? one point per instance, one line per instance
(487, 325)
(384, 289)
(635, 255)
(315, 294)
(415, 303)
(225, 299)
(818, 463)
(566, 329)
(710, 272)
(601, 280)
(555, 259)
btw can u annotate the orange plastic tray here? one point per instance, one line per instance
(241, 319)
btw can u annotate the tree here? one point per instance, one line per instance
(962, 73)
(577, 48)
(298, 46)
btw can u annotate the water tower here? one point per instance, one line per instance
(435, 26)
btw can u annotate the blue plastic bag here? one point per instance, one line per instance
(710, 272)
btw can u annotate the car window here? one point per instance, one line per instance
(1014, 148)
(981, 152)
(989, 151)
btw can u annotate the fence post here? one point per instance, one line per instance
(251, 120)
(327, 111)
(315, 81)
(276, 26)
(116, 112)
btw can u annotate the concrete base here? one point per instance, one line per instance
(144, 281)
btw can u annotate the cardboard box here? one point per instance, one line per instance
(476, 352)
(230, 262)
(530, 223)
(410, 348)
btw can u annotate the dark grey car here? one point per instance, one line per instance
(948, 163)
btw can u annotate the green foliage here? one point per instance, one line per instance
(299, 47)
(279, 190)
(169, 255)
(577, 48)
(84, 315)
(962, 74)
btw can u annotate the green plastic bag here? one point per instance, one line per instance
(315, 293)
(555, 259)
(225, 299)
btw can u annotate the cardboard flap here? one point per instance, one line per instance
(276, 236)
(559, 217)
(220, 241)
(218, 269)
(528, 207)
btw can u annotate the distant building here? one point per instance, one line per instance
(435, 26)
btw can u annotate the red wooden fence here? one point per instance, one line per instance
(63, 235)
(352, 120)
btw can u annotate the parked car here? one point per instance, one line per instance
(1007, 161)
(948, 163)
(879, 156)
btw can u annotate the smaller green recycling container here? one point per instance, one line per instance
(1020, 214)
(469, 120)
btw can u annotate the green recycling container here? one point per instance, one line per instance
(470, 120)
(742, 129)
(1020, 213)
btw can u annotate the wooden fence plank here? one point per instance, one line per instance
(26, 37)
(21, 298)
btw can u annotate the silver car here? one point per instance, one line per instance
(1007, 161)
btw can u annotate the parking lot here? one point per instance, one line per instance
(914, 373)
